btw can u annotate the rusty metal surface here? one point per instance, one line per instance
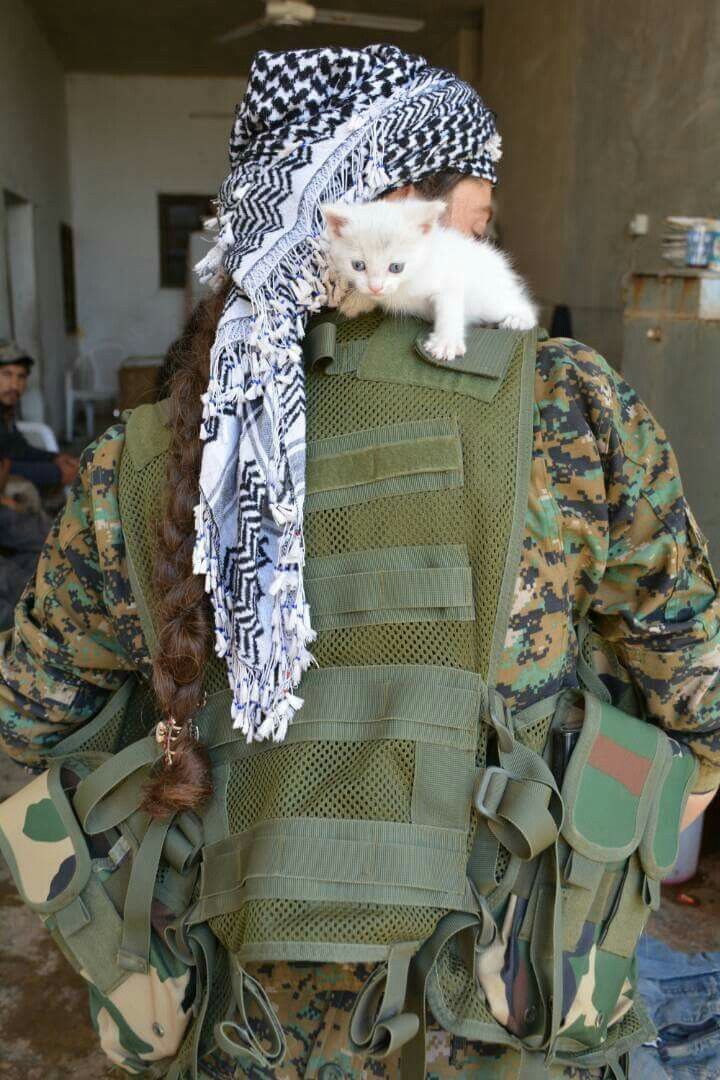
(674, 295)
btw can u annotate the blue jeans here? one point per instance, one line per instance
(682, 994)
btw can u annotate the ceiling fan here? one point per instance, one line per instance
(298, 13)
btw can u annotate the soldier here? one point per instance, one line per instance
(605, 536)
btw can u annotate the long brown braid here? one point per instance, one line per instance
(185, 624)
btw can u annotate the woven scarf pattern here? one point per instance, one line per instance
(314, 126)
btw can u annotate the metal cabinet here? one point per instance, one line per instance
(671, 356)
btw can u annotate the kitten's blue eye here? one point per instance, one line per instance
(396, 268)
(357, 264)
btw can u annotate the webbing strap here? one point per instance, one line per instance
(588, 677)
(102, 799)
(516, 812)
(413, 1052)
(379, 1025)
(617, 1067)
(202, 945)
(519, 799)
(532, 1065)
(135, 945)
(238, 1039)
(429, 587)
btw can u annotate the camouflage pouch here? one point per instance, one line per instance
(560, 973)
(84, 885)
(624, 790)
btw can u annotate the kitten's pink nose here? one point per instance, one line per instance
(375, 288)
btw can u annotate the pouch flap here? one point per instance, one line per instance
(396, 353)
(611, 781)
(43, 844)
(660, 844)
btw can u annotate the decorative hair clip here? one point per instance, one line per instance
(167, 733)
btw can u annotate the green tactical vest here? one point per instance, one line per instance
(408, 820)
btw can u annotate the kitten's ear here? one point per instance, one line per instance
(336, 217)
(429, 214)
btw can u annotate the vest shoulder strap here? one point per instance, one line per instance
(147, 432)
(140, 494)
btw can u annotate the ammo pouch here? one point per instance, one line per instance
(558, 973)
(108, 884)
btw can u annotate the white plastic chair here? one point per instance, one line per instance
(39, 435)
(83, 387)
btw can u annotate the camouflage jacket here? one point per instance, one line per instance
(608, 535)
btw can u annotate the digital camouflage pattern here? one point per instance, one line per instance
(320, 999)
(608, 535)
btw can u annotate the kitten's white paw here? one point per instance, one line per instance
(524, 319)
(445, 348)
(355, 304)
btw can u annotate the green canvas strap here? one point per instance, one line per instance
(334, 860)
(237, 1039)
(203, 956)
(146, 621)
(134, 951)
(516, 811)
(587, 676)
(424, 961)
(483, 858)
(387, 591)
(519, 799)
(379, 1024)
(112, 792)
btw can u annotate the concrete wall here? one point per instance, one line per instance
(131, 138)
(528, 75)
(607, 109)
(33, 166)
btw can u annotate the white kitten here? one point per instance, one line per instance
(396, 255)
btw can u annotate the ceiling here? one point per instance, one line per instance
(176, 37)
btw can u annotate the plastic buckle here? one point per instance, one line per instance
(483, 790)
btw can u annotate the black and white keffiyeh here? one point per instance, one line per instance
(315, 125)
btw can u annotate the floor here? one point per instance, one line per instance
(45, 1032)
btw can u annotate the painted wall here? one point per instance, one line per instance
(33, 166)
(131, 138)
(528, 73)
(607, 110)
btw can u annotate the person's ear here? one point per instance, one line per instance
(336, 217)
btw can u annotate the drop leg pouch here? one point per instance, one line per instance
(78, 884)
(570, 923)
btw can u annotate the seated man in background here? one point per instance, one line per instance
(23, 529)
(43, 468)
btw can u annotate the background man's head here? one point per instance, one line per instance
(15, 367)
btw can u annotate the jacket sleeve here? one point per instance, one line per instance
(15, 446)
(76, 635)
(657, 601)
